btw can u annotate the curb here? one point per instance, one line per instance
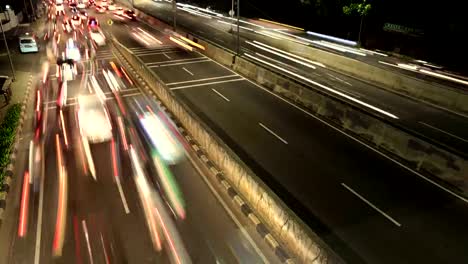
(10, 168)
(260, 227)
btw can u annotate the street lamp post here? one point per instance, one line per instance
(238, 37)
(174, 9)
(8, 51)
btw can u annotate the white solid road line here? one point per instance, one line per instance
(204, 79)
(179, 60)
(205, 84)
(122, 196)
(37, 250)
(180, 63)
(273, 133)
(352, 138)
(189, 72)
(141, 54)
(371, 205)
(227, 209)
(85, 230)
(338, 79)
(167, 56)
(222, 96)
(445, 132)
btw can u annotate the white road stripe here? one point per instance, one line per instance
(204, 79)
(189, 72)
(445, 132)
(338, 79)
(273, 133)
(141, 54)
(371, 205)
(179, 60)
(85, 229)
(167, 56)
(122, 196)
(221, 95)
(205, 84)
(180, 63)
(37, 250)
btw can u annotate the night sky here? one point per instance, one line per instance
(443, 23)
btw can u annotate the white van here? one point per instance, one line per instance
(27, 43)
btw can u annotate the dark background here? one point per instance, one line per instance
(443, 24)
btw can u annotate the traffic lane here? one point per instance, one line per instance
(99, 221)
(16, 247)
(207, 237)
(186, 20)
(187, 73)
(442, 126)
(403, 204)
(214, 33)
(131, 32)
(246, 138)
(210, 239)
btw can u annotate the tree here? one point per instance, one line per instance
(361, 9)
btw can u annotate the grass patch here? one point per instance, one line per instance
(7, 137)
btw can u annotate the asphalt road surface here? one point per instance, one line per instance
(368, 207)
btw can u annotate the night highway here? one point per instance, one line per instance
(437, 124)
(110, 180)
(87, 199)
(325, 177)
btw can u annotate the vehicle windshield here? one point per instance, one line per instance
(26, 41)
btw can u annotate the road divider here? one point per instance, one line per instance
(305, 246)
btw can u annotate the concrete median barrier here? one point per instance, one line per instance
(302, 243)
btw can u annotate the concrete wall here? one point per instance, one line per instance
(13, 20)
(305, 246)
(423, 156)
(433, 93)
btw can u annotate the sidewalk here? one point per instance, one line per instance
(18, 88)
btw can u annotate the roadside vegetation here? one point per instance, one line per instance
(7, 137)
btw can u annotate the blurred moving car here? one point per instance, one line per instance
(72, 51)
(103, 3)
(81, 5)
(67, 27)
(93, 22)
(66, 69)
(83, 14)
(127, 13)
(97, 36)
(111, 7)
(27, 43)
(59, 10)
(100, 9)
(76, 21)
(93, 119)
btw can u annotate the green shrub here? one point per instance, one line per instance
(7, 136)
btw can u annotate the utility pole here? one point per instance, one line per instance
(174, 10)
(8, 51)
(32, 8)
(238, 37)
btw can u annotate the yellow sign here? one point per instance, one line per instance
(110, 22)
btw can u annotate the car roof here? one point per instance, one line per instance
(26, 37)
